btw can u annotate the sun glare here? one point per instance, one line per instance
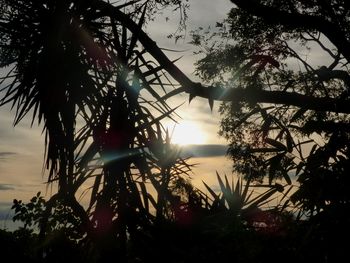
(187, 133)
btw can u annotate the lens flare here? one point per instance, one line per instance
(188, 133)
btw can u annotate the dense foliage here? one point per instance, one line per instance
(286, 50)
(98, 84)
(79, 68)
(288, 119)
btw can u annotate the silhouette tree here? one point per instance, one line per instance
(82, 68)
(79, 68)
(285, 66)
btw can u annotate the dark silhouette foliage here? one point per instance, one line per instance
(291, 59)
(88, 73)
(83, 73)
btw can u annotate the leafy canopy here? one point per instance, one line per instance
(286, 60)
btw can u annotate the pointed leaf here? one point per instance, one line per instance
(136, 34)
(151, 199)
(266, 126)
(94, 192)
(191, 97)
(287, 178)
(222, 186)
(299, 167)
(256, 202)
(211, 103)
(276, 144)
(228, 187)
(214, 195)
(274, 165)
(245, 190)
(290, 142)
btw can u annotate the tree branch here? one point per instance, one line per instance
(217, 93)
(275, 16)
(326, 74)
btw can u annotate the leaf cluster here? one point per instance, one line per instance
(302, 147)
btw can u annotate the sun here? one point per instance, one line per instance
(186, 133)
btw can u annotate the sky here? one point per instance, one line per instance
(22, 147)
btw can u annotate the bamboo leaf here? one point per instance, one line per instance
(287, 178)
(247, 116)
(256, 202)
(266, 126)
(290, 141)
(299, 168)
(275, 164)
(278, 145)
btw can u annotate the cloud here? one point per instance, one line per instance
(4, 155)
(204, 150)
(4, 187)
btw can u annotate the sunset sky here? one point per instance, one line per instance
(22, 147)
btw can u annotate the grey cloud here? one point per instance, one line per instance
(204, 150)
(6, 154)
(4, 187)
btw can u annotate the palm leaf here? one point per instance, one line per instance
(135, 35)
